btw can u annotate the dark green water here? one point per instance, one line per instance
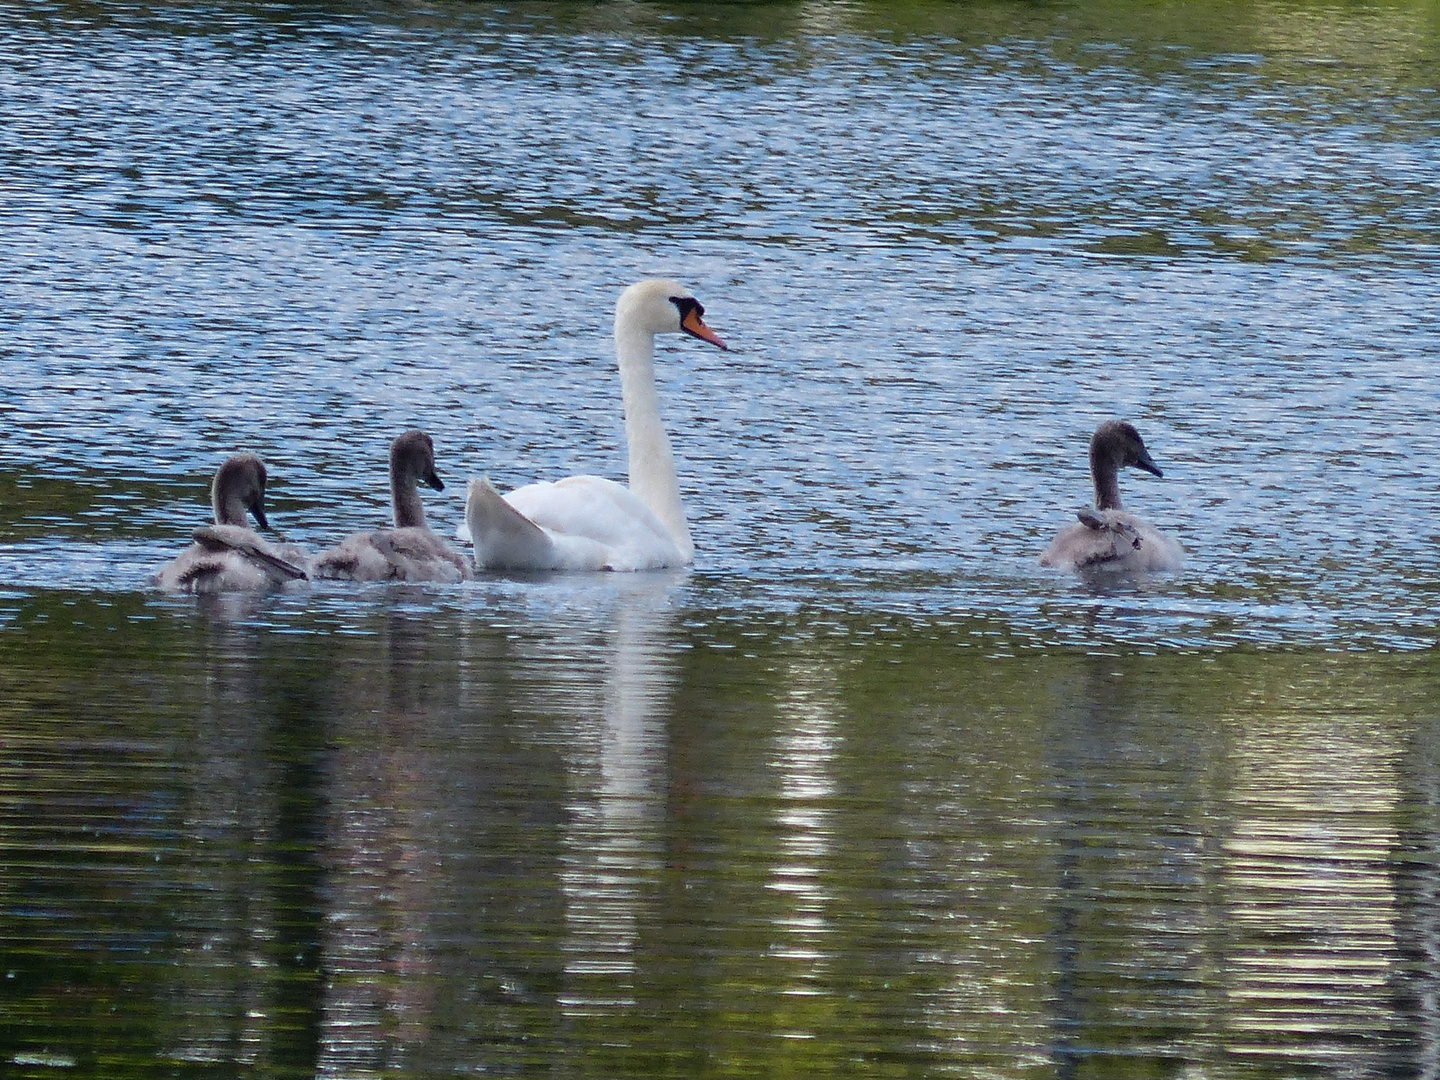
(868, 793)
(642, 837)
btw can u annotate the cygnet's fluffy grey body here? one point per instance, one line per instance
(228, 556)
(410, 551)
(1108, 538)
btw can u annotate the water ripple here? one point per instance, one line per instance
(942, 256)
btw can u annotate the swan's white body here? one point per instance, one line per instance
(229, 556)
(410, 551)
(579, 523)
(588, 522)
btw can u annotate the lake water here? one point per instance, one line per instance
(865, 792)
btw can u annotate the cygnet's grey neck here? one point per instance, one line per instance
(1106, 472)
(412, 461)
(229, 507)
(404, 495)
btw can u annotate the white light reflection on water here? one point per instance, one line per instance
(615, 746)
(811, 717)
(1310, 881)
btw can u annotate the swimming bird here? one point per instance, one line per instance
(410, 551)
(229, 556)
(588, 522)
(1108, 537)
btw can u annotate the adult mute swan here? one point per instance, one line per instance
(229, 556)
(410, 551)
(1108, 538)
(587, 522)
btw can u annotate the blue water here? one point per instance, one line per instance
(941, 265)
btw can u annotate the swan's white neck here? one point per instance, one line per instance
(652, 465)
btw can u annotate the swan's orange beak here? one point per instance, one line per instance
(695, 326)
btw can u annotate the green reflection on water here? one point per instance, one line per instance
(655, 843)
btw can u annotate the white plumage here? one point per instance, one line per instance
(588, 522)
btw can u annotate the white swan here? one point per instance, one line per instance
(410, 551)
(1108, 538)
(587, 522)
(229, 556)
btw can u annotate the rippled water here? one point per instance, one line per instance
(867, 791)
(941, 262)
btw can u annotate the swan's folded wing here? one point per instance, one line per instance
(503, 537)
(593, 508)
(222, 538)
(597, 524)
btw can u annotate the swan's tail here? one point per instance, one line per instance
(504, 538)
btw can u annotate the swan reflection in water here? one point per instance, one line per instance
(616, 753)
(454, 809)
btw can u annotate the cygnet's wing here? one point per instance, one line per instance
(221, 538)
(1126, 535)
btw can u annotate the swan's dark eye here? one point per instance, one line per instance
(687, 304)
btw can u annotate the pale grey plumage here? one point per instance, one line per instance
(1109, 538)
(410, 551)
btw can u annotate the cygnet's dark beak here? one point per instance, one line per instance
(258, 509)
(1146, 462)
(432, 479)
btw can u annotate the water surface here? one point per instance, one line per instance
(866, 791)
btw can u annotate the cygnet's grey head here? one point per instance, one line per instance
(238, 487)
(412, 460)
(1118, 444)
